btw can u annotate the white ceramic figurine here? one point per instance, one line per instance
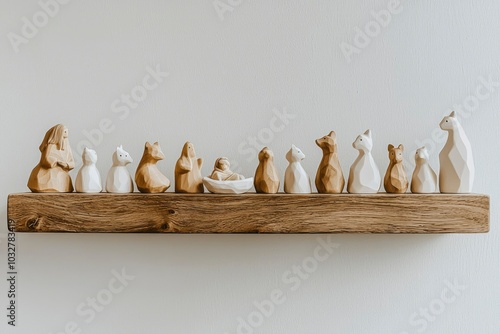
(88, 179)
(119, 179)
(297, 180)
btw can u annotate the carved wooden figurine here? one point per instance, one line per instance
(88, 179)
(364, 175)
(266, 179)
(456, 173)
(52, 172)
(297, 180)
(119, 179)
(424, 179)
(329, 177)
(395, 180)
(222, 171)
(148, 177)
(188, 171)
(224, 181)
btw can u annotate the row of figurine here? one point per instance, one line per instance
(456, 172)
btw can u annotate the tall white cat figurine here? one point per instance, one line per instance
(88, 179)
(119, 179)
(456, 171)
(364, 175)
(424, 179)
(297, 180)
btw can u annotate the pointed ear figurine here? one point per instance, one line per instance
(395, 180)
(148, 177)
(424, 179)
(456, 163)
(266, 180)
(119, 179)
(364, 175)
(188, 177)
(52, 172)
(452, 114)
(88, 179)
(329, 177)
(297, 180)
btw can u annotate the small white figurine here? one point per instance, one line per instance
(119, 179)
(88, 179)
(424, 179)
(297, 180)
(456, 170)
(364, 175)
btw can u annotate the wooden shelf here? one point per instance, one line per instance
(248, 213)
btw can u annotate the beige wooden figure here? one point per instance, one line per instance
(188, 171)
(266, 179)
(395, 180)
(222, 171)
(52, 172)
(148, 177)
(329, 177)
(456, 164)
(424, 179)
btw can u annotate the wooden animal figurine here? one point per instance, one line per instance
(222, 171)
(395, 180)
(188, 171)
(52, 172)
(119, 179)
(297, 180)
(364, 175)
(88, 179)
(148, 177)
(424, 179)
(266, 180)
(329, 177)
(456, 171)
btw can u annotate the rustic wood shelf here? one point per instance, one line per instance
(248, 213)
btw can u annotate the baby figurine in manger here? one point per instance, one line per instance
(224, 181)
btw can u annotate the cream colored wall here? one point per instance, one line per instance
(233, 66)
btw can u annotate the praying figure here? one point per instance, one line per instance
(52, 172)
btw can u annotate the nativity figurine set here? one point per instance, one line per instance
(456, 173)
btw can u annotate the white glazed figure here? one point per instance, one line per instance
(424, 179)
(456, 172)
(119, 179)
(88, 179)
(297, 180)
(364, 175)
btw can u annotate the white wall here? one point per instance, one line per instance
(226, 76)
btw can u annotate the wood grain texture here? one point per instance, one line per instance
(249, 213)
